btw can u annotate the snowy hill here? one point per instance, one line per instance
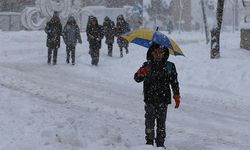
(84, 107)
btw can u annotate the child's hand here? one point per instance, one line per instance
(142, 71)
(177, 101)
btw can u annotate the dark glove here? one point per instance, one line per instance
(142, 71)
(177, 101)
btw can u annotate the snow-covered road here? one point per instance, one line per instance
(84, 107)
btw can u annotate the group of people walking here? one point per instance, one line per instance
(95, 33)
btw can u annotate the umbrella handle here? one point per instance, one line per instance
(157, 28)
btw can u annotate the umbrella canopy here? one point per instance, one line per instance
(146, 37)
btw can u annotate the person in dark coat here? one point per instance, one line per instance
(94, 36)
(71, 35)
(122, 27)
(54, 31)
(157, 75)
(170, 27)
(109, 33)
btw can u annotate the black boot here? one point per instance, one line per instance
(49, 56)
(110, 47)
(150, 142)
(49, 61)
(110, 53)
(54, 56)
(159, 143)
(126, 50)
(54, 62)
(121, 55)
(94, 62)
(67, 53)
(73, 55)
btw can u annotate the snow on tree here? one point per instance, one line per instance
(135, 16)
(159, 13)
(205, 20)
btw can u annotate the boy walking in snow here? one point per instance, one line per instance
(157, 75)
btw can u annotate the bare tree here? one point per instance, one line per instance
(235, 8)
(215, 32)
(180, 14)
(158, 11)
(205, 20)
(236, 15)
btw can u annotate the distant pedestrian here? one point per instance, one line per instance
(109, 33)
(122, 27)
(71, 35)
(94, 36)
(170, 27)
(54, 31)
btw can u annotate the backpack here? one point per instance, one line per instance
(168, 68)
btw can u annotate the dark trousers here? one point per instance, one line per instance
(121, 49)
(155, 113)
(110, 48)
(70, 50)
(95, 56)
(54, 51)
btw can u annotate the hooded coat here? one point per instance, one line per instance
(71, 32)
(156, 83)
(109, 30)
(54, 31)
(122, 27)
(94, 34)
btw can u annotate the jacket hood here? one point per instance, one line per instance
(155, 46)
(120, 18)
(106, 18)
(71, 20)
(55, 18)
(90, 19)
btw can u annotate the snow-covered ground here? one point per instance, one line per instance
(84, 107)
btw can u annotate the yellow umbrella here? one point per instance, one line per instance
(146, 37)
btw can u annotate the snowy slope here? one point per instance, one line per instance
(84, 107)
